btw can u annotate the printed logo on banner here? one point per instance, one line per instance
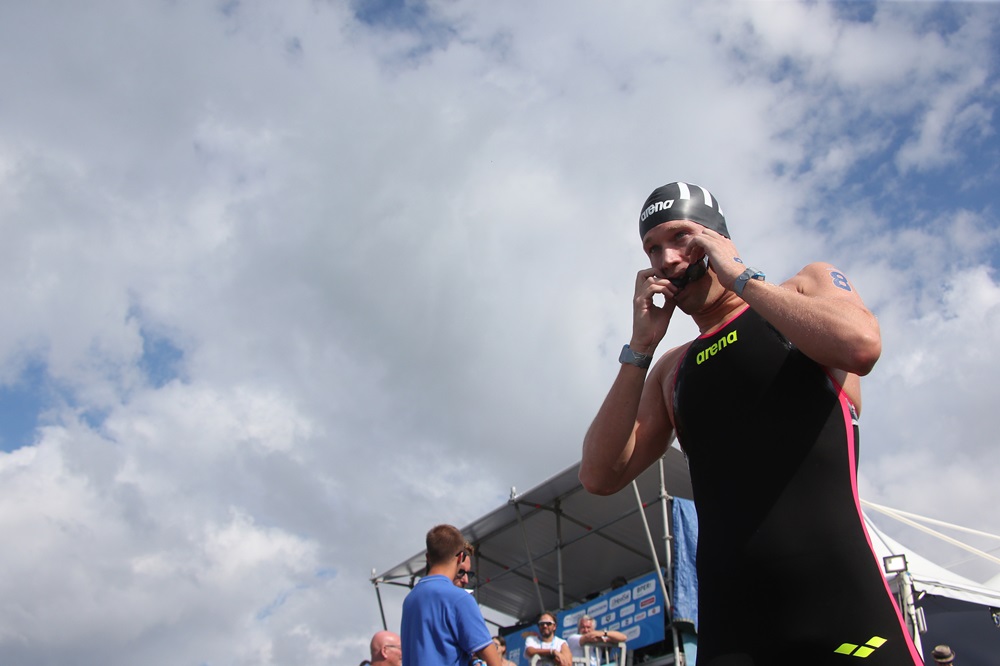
(646, 603)
(626, 622)
(572, 619)
(639, 617)
(632, 634)
(600, 608)
(620, 599)
(655, 610)
(626, 610)
(646, 588)
(614, 627)
(607, 619)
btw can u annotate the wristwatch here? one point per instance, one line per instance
(634, 358)
(746, 276)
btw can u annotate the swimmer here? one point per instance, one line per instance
(764, 403)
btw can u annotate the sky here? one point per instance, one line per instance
(286, 284)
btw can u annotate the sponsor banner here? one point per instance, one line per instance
(636, 610)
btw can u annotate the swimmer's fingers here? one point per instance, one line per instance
(648, 283)
(723, 257)
(649, 320)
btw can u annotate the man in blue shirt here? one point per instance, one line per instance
(442, 624)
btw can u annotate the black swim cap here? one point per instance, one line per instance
(682, 201)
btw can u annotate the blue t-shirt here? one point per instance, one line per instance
(442, 624)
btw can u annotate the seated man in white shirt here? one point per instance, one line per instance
(585, 633)
(549, 647)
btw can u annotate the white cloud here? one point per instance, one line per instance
(928, 437)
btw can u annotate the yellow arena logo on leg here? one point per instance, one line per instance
(872, 644)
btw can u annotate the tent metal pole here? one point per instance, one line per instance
(476, 565)
(381, 610)
(652, 545)
(559, 553)
(668, 536)
(667, 597)
(904, 582)
(665, 499)
(531, 562)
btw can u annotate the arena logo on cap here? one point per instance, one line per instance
(656, 208)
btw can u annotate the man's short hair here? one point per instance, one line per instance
(554, 617)
(445, 542)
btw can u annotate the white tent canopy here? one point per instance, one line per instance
(931, 578)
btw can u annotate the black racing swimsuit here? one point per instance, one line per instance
(786, 572)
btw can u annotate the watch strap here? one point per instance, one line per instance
(746, 276)
(634, 358)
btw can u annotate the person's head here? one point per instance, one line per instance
(465, 574)
(670, 216)
(943, 654)
(501, 644)
(547, 625)
(585, 625)
(446, 543)
(682, 201)
(386, 648)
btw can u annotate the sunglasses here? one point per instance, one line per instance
(466, 572)
(546, 624)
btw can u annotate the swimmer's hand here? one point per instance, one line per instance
(649, 320)
(723, 257)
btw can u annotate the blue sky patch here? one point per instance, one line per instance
(20, 406)
(161, 359)
(390, 13)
